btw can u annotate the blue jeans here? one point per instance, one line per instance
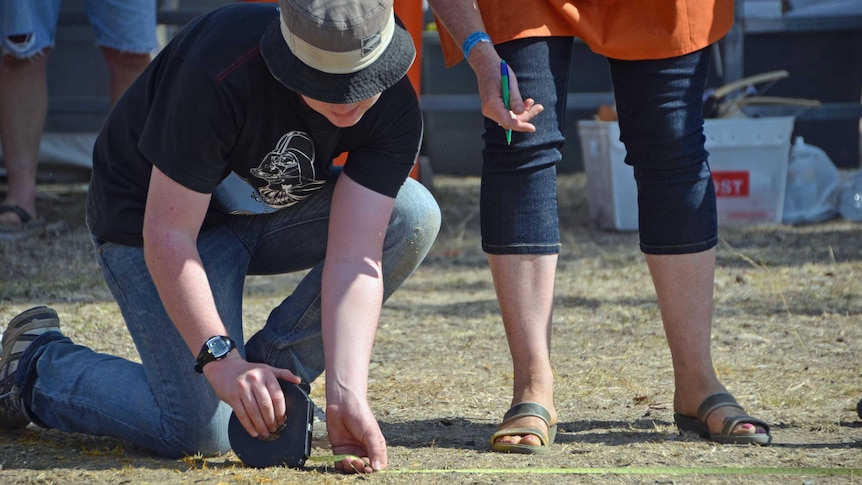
(660, 107)
(162, 404)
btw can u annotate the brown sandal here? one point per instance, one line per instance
(521, 410)
(707, 407)
(29, 225)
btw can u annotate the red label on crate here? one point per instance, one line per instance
(731, 184)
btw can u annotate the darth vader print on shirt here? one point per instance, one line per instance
(289, 171)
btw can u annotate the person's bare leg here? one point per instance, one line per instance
(525, 292)
(124, 68)
(23, 108)
(684, 286)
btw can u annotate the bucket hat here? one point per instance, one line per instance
(338, 52)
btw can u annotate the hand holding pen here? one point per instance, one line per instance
(518, 112)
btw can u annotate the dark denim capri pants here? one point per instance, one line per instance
(660, 107)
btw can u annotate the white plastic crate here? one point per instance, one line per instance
(748, 158)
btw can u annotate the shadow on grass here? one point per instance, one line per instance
(460, 433)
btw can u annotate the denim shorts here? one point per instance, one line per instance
(123, 25)
(660, 107)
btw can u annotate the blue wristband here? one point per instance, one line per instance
(471, 41)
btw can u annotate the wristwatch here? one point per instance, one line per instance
(215, 348)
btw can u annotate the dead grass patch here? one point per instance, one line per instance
(786, 342)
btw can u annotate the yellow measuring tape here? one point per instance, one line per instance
(614, 470)
(331, 458)
(641, 471)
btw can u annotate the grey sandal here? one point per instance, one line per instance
(707, 407)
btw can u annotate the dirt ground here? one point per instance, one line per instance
(787, 341)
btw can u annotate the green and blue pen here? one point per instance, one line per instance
(504, 84)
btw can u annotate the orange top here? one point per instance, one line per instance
(619, 29)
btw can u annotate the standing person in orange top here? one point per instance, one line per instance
(658, 54)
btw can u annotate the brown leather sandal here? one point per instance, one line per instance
(521, 410)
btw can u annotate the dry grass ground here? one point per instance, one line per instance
(787, 340)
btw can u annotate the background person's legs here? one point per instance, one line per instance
(27, 32)
(525, 291)
(520, 226)
(661, 124)
(124, 68)
(125, 31)
(23, 108)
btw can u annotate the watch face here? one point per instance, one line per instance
(219, 347)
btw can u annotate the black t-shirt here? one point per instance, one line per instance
(207, 107)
